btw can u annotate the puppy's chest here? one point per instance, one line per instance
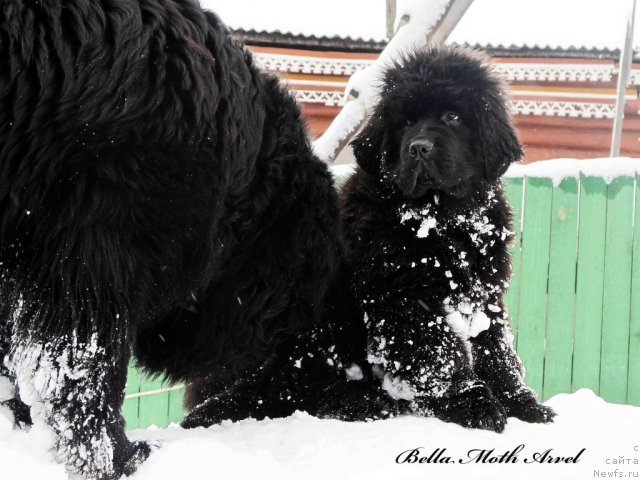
(457, 256)
(462, 247)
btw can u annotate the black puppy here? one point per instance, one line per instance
(427, 230)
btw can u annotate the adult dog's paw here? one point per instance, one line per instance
(208, 413)
(356, 401)
(473, 406)
(21, 412)
(239, 404)
(127, 458)
(524, 406)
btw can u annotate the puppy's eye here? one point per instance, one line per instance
(408, 123)
(451, 118)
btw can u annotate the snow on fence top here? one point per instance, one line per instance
(608, 168)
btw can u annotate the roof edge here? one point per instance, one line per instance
(289, 40)
(347, 44)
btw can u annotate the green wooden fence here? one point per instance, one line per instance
(574, 299)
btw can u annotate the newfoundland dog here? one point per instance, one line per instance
(158, 196)
(418, 311)
(427, 228)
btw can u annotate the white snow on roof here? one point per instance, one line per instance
(557, 24)
(357, 19)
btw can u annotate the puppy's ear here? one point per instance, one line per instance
(368, 145)
(500, 143)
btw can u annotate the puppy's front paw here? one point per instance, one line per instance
(524, 406)
(534, 413)
(474, 406)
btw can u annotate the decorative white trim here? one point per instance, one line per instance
(567, 72)
(634, 77)
(546, 72)
(311, 65)
(563, 109)
(547, 108)
(328, 98)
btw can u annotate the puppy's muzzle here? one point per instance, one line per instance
(421, 149)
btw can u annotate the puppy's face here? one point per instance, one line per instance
(442, 124)
(434, 151)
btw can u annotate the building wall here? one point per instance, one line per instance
(563, 107)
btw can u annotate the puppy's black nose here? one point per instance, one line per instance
(421, 148)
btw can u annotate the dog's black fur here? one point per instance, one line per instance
(427, 229)
(158, 194)
(315, 371)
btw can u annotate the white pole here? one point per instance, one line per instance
(626, 57)
(391, 18)
(436, 20)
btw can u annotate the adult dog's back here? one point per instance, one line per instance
(156, 191)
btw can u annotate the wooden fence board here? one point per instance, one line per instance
(131, 406)
(154, 409)
(176, 408)
(589, 284)
(561, 290)
(534, 274)
(513, 188)
(617, 291)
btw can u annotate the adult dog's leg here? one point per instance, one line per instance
(8, 391)
(498, 365)
(76, 386)
(426, 363)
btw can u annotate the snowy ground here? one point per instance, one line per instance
(303, 447)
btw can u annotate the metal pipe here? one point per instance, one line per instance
(452, 15)
(455, 11)
(626, 57)
(391, 18)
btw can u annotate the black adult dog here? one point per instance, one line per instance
(427, 228)
(158, 194)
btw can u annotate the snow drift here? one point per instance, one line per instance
(301, 446)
